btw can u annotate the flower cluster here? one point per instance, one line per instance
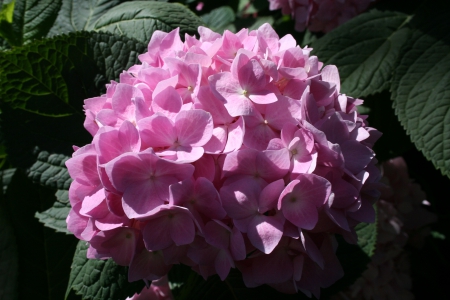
(221, 152)
(402, 219)
(320, 15)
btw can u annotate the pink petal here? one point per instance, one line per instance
(301, 198)
(251, 75)
(330, 74)
(167, 102)
(235, 136)
(218, 140)
(265, 232)
(217, 235)
(157, 131)
(194, 127)
(187, 154)
(223, 264)
(269, 195)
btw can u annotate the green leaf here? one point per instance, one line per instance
(365, 50)
(43, 86)
(248, 7)
(99, 279)
(139, 19)
(8, 247)
(44, 255)
(80, 15)
(32, 19)
(55, 217)
(421, 84)
(6, 14)
(367, 237)
(260, 21)
(50, 171)
(219, 19)
(38, 77)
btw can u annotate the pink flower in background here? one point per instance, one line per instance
(228, 151)
(320, 15)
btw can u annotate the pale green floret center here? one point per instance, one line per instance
(245, 93)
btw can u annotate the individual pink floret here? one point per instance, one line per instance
(245, 85)
(180, 140)
(301, 199)
(144, 180)
(254, 212)
(167, 225)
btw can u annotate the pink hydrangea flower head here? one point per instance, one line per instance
(228, 151)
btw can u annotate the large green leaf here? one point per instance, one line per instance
(44, 255)
(50, 170)
(43, 85)
(80, 15)
(99, 279)
(32, 19)
(8, 246)
(48, 77)
(365, 50)
(421, 85)
(139, 19)
(220, 19)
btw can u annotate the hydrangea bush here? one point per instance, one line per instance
(219, 143)
(233, 150)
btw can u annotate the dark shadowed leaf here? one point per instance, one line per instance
(219, 19)
(43, 86)
(421, 84)
(49, 170)
(365, 50)
(99, 279)
(139, 19)
(8, 246)
(31, 20)
(44, 255)
(80, 15)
